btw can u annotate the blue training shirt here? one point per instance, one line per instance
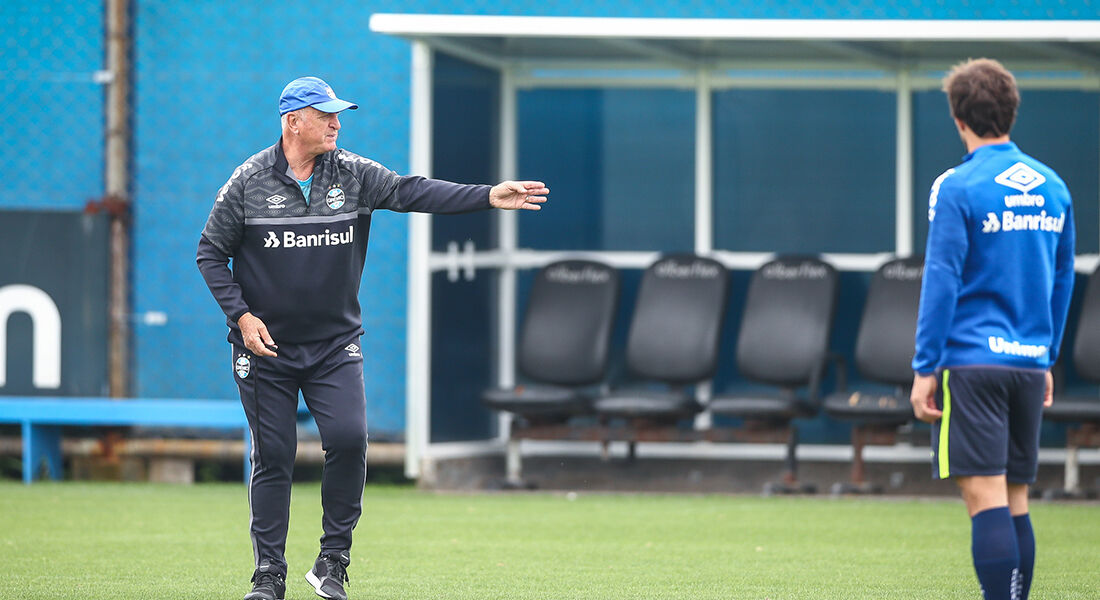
(998, 268)
(305, 185)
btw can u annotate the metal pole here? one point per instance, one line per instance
(903, 183)
(117, 180)
(507, 236)
(418, 349)
(704, 177)
(704, 202)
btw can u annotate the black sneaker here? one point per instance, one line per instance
(329, 574)
(267, 584)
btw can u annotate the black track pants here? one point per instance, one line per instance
(330, 377)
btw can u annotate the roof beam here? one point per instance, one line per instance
(856, 52)
(652, 50)
(1076, 56)
(465, 52)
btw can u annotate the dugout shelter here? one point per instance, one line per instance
(733, 138)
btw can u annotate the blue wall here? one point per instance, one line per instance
(804, 171)
(53, 119)
(208, 75)
(465, 123)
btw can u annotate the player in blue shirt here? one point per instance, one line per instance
(997, 283)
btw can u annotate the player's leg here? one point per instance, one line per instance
(1025, 418)
(270, 401)
(983, 492)
(1025, 536)
(336, 399)
(993, 545)
(971, 446)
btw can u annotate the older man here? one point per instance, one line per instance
(294, 218)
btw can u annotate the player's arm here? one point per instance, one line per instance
(945, 256)
(422, 194)
(1061, 294)
(412, 193)
(220, 237)
(213, 263)
(1063, 283)
(214, 266)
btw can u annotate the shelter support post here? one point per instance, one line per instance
(418, 351)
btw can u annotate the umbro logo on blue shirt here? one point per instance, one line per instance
(1021, 177)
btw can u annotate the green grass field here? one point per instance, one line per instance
(131, 541)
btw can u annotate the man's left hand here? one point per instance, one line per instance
(510, 195)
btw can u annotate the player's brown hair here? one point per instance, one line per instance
(982, 94)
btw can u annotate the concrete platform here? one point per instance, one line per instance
(727, 469)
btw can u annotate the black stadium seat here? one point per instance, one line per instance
(563, 346)
(673, 341)
(883, 355)
(1081, 413)
(783, 342)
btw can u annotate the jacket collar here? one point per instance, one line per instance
(282, 166)
(991, 148)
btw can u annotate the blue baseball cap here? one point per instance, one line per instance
(311, 91)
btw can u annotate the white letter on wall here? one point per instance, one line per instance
(46, 321)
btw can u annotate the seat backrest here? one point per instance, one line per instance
(787, 321)
(1086, 348)
(566, 329)
(677, 321)
(884, 344)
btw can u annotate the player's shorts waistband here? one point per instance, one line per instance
(993, 367)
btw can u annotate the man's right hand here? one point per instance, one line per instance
(923, 398)
(256, 337)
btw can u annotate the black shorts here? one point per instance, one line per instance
(990, 423)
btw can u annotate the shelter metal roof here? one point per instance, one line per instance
(534, 43)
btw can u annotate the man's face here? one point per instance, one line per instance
(318, 130)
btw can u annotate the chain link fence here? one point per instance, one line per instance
(51, 77)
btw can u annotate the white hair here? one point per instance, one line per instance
(301, 112)
(285, 119)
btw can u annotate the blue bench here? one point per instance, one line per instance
(42, 419)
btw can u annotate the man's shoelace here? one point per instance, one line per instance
(262, 579)
(336, 569)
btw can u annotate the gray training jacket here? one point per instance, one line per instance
(297, 265)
